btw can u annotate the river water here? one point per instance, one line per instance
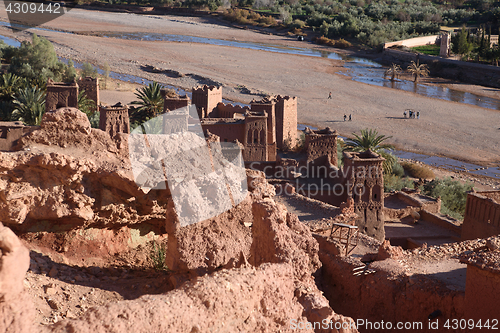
(360, 69)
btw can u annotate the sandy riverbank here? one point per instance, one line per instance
(445, 128)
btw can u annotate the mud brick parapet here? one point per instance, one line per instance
(482, 215)
(286, 122)
(206, 99)
(91, 87)
(365, 180)
(114, 119)
(60, 95)
(230, 110)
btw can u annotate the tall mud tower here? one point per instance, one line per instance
(206, 99)
(268, 106)
(286, 122)
(365, 184)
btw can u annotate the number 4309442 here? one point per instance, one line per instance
(32, 8)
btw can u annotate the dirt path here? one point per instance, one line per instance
(444, 128)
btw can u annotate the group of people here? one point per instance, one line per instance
(345, 117)
(412, 114)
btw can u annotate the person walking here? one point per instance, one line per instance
(418, 114)
(350, 118)
(330, 95)
(345, 117)
(404, 114)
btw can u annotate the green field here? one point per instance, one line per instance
(431, 49)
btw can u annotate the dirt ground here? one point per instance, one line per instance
(445, 128)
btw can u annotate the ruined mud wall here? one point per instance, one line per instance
(482, 293)
(442, 221)
(482, 216)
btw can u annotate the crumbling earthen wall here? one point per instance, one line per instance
(229, 110)
(91, 87)
(286, 122)
(388, 295)
(114, 119)
(60, 95)
(206, 99)
(482, 215)
(365, 183)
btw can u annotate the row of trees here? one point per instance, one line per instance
(415, 69)
(23, 85)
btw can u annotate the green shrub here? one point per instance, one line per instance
(398, 170)
(158, 255)
(395, 183)
(418, 171)
(453, 195)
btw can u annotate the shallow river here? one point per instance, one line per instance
(360, 69)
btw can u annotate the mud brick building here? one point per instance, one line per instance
(268, 124)
(10, 132)
(482, 215)
(60, 95)
(114, 119)
(321, 146)
(174, 103)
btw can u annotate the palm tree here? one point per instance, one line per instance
(371, 140)
(9, 84)
(417, 70)
(87, 106)
(393, 71)
(29, 106)
(150, 100)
